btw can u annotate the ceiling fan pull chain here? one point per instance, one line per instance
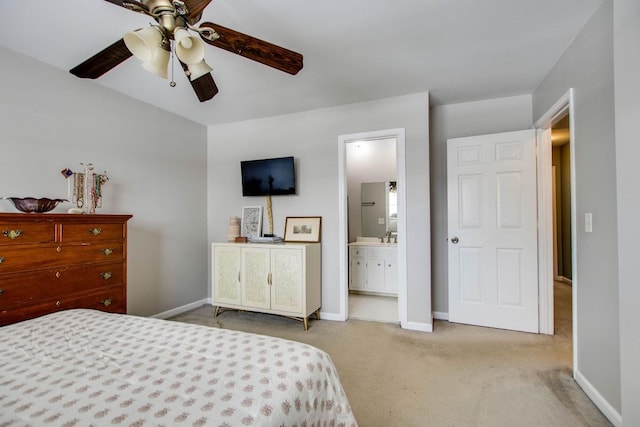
(172, 83)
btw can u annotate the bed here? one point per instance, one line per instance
(85, 367)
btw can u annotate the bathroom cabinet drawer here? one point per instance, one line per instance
(381, 252)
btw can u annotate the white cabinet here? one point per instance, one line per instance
(270, 278)
(372, 269)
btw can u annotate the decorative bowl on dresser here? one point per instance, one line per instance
(52, 262)
(33, 205)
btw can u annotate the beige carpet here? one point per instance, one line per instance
(458, 375)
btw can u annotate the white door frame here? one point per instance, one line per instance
(545, 217)
(343, 140)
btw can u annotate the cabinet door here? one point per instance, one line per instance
(357, 274)
(226, 275)
(391, 276)
(255, 277)
(375, 274)
(287, 280)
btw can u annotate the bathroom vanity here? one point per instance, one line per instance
(373, 267)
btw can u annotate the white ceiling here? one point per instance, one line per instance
(354, 50)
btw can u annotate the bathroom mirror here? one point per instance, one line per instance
(379, 208)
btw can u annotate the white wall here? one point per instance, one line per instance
(454, 121)
(587, 66)
(312, 138)
(627, 104)
(156, 162)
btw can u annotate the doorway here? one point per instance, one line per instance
(350, 227)
(559, 116)
(558, 224)
(561, 181)
(372, 230)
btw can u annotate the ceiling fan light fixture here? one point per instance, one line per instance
(155, 46)
(189, 48)
(159, 62)
(198, 69)
(182, 36)
(142, 43)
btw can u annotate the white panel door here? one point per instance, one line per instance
(492, 236)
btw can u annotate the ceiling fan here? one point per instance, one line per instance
(175, 18)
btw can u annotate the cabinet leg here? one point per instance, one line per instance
(216, 311)
(317, 314)
(306, 323)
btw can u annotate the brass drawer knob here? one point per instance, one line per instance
(106, 302)
(95, 231)
(1, 260)
(57, 274)
(106, 276)
(59, 249)
(57, 303)
(107, 251)
(12, 234)
(1, 291)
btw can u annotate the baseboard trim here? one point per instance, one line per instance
(331, 316)
(417, 326)
(183, 309)
(440, 315)
(602, 404)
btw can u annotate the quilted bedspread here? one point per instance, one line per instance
(85, 367)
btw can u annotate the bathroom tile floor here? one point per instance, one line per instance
(373, 308)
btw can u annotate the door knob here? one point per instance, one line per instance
(454, 240)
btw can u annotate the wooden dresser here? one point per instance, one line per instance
(52, 262)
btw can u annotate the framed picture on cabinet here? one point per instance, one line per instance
(302, 229)
(251, 224)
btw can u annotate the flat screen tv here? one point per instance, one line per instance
(273, 177)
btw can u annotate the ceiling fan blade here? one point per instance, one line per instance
(102, 61)
(204, 86)
(252, 48)
(134, 5)
(195, 9)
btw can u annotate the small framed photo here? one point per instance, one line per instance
(251, 225)
(302, 229)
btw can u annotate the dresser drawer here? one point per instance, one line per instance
(92, 232)
(111, 299)
(16, 289)
(20, 258)
(20, 233)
